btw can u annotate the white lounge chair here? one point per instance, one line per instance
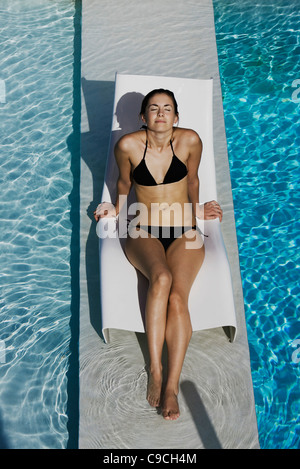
(123, 289)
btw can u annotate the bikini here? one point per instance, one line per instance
(176, 171)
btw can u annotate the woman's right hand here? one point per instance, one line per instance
(105, 210)
(212, 210)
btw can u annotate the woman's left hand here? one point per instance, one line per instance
(212, 210)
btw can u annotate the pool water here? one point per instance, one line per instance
(36, 56)
(258, 50)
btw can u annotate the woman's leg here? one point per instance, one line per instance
(148, 256)
(184, 265)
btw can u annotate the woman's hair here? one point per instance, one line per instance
(158, 91)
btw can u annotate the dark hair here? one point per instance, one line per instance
(158, 91)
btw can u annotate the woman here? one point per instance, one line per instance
(159, 241)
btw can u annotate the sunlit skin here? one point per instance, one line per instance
(171, 273)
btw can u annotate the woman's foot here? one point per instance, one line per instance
(154, 388)
(170, 408)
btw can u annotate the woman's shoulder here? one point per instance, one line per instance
(189, 136)
(129, 141)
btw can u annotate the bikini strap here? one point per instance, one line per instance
(146, 146)
(145, 149)
(172, 147)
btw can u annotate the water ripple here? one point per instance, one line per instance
(37, 66)
(257, 71)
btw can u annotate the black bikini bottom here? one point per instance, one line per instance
(167, 234)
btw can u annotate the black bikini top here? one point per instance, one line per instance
(177, 171)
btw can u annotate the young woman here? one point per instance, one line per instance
(165, 244)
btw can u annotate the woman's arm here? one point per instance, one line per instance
(193, 162)
(124, 182)
(209, 210)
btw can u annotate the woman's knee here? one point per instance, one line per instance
(161, 279)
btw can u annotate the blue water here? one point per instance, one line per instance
(258, 47)
(258, 50)
(36, 226)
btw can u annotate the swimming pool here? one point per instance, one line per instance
(39, 211)
(258, 50)
(37, 230)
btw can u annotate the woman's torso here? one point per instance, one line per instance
(161, 183)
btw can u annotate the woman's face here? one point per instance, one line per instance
(160, 113)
